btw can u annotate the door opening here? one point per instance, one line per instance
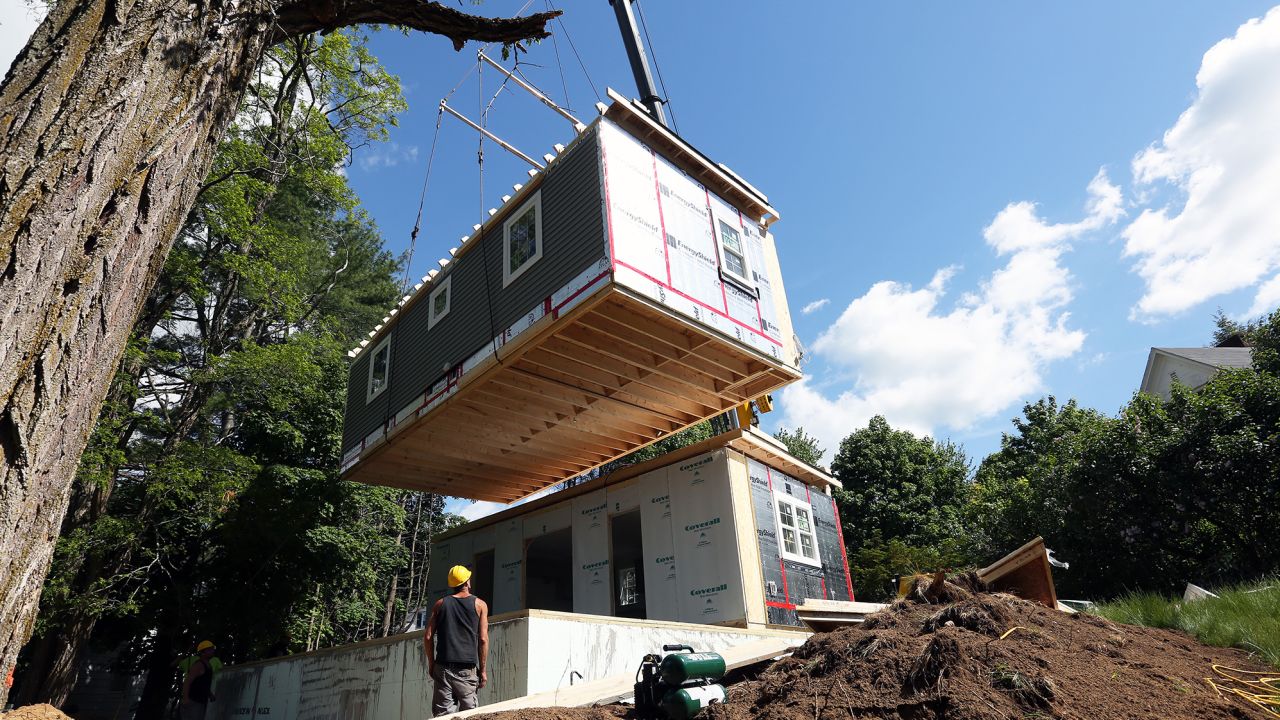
(548, 572)
(628, 566)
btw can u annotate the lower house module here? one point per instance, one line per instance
(730, 531)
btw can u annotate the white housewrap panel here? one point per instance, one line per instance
(481, 540)
(755, 243)
(508, 561)
(709, 581)
(591, 572)
(455, 551)
(691, 248)
(623, 497)
(659, 558)
(633, 198)
(558, 517)
(665, 244)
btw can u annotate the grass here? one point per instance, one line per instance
(1245, 617)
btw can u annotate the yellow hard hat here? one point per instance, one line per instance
(458, 575)
(205, 645)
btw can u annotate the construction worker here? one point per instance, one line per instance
(459, 625)
(197, 685)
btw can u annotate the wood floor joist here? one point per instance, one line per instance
(610, 376)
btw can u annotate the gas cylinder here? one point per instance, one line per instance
(680, 668)
(684, 703)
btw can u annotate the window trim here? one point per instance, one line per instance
(796, 503)
(742, 281)
(446, 287)
(535, 202)
(370, 393)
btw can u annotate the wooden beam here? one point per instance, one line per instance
(574, 372)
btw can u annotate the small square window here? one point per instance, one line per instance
(439, 301)
(795, 526)
(522, 239)
(379, 369)
(733, 256)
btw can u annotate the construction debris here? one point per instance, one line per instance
(827, 615)
(1025, 573)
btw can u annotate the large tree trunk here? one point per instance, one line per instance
(109, 119)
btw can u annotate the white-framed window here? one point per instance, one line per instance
(522, 239)
(439, 301)
(733, 254)
(796, 538)
(379, 369)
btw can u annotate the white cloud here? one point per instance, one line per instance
(1267, 298)
(1222, 157)
(386, 155)
(815, 306)
(479, 508)
(896, 351)
(19, 20)
(476, 509)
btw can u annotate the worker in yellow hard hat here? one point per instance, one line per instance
(197, 684)
(459, 627)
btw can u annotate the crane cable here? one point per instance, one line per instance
(422, 198)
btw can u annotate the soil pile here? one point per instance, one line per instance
(953, 651)
(35, 712)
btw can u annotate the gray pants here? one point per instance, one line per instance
(192, 711)
(455, 689)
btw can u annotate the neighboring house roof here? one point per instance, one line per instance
(1193, 366)
(1219, 357)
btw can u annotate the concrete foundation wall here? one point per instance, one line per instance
(387, 679)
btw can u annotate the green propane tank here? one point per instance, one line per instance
(684, 703)
(680, 668)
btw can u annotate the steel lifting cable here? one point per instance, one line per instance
(422, 198)
(555, 46)
(574, 48)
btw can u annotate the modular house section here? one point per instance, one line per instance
(626, 291)
(732, 531)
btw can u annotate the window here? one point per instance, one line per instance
(732, 256)
(379, 369)
(522, 239)
(438, 302)
(795, 530)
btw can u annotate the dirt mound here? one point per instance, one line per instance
(35, 712)
(952, 650)
(956, 652)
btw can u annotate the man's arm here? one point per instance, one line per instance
(193, 672)
(482, 608)
(429, 635)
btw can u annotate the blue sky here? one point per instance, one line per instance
(982, 203)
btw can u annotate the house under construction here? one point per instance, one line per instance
(630, 288)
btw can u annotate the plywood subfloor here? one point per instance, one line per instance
(613, 375)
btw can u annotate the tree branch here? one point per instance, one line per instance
(300, 17)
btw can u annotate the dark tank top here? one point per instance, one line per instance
(201, 690)
(458, 631)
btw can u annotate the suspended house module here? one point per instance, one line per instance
(628, 290)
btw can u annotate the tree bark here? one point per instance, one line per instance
(109, 119)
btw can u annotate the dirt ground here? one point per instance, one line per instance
(34, 712)
(962, 655)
